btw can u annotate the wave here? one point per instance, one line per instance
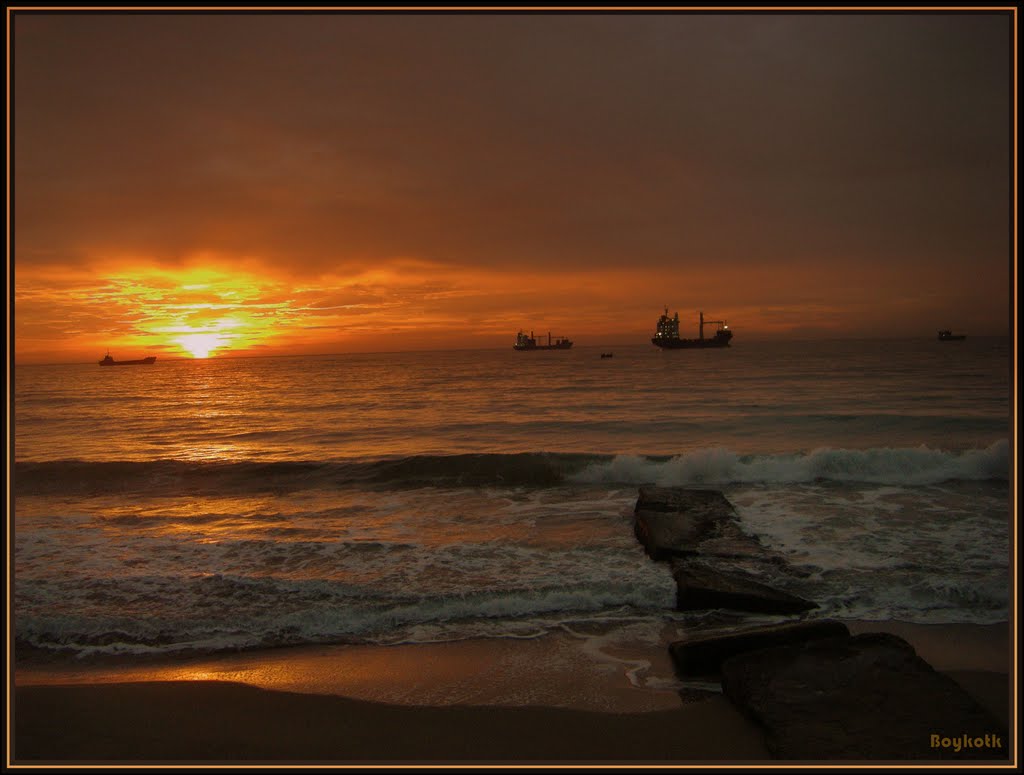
(898, 466)
(330, 613)
(254, 613)
(171, 477)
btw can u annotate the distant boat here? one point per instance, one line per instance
(607, 355)
(949, 336)
(108, 361)
(524, 342)
(667, 335)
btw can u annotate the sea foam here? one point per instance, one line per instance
(898, 466)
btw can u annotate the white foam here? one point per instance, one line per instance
(896, 466)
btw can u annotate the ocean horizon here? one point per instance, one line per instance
(744, 342)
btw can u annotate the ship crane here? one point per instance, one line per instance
(709, 322)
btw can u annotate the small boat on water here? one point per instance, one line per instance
(524, 342)
(607, 355)
(949, 336)
(108, 361)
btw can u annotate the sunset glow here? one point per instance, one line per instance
(200, 345)
(314, 219)
(207, 308)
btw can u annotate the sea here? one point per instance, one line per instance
(226, 504)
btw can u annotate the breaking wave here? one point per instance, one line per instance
(294, 613)
(898, 466)
(901, 466)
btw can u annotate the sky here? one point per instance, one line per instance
(190, 185)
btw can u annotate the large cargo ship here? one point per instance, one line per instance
(108, 361)
(667, 335)
(524, 342)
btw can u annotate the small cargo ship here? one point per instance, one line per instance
(108, 361)
(524, 342)
(667, 335)
(949, 336)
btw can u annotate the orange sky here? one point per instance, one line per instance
(242, 184)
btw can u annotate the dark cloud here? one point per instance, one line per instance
(578, 141)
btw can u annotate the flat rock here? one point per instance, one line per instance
(704, 654)
(680, 522)
(715, 563)
(865, 697)
(673, 521)
(676, 499)
(690, 694)
(699, 587)
(729, 542)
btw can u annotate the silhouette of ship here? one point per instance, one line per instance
(949, 336)
(108, 361)
(524, 342)
(667, 335)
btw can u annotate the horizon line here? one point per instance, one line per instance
(770, 340)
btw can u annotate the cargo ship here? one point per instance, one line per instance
(108, 361)
(667, 335)
(949, 336)
(524, 342)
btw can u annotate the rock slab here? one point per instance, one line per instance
(700, 588)
(704, 654)
(866, 697)
(674, 521)
(714, 562)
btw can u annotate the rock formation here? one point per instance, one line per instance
(714, 562)
(864, 697)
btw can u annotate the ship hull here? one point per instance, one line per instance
(688, 344)
(140, 362)
(522, 348)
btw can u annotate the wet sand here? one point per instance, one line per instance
(211, 720)
(557, 698)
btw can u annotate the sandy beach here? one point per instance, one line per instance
(539, 700)
(159, 721)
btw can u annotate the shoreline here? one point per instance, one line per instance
(608, 671)
(559, 698)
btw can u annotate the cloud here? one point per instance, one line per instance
(413, 162)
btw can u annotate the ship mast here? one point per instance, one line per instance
(709, 322)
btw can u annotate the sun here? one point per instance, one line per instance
(200, 345)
